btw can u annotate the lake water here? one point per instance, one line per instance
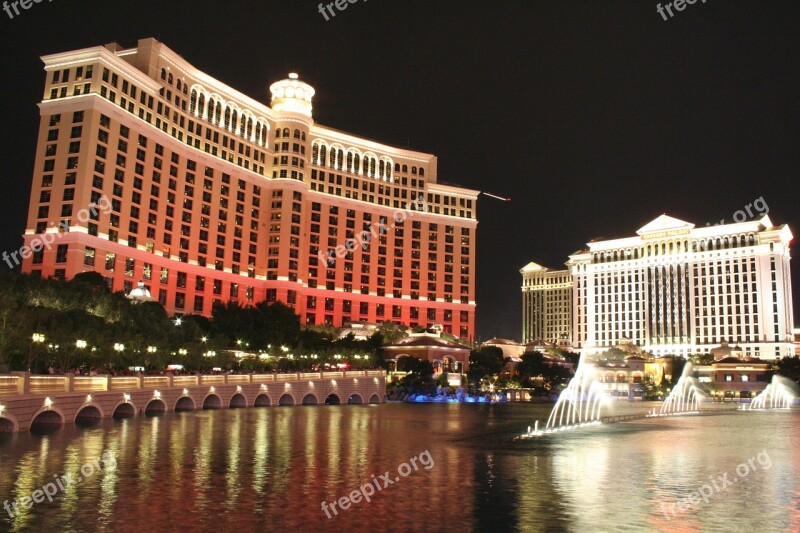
(270, 469)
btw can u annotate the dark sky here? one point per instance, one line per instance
(595, 117)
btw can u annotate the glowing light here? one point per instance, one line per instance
(88, 398)
(126, 397)
(185, 392)
(118, 346)
(212, 390)
(157, 395)
(263, 387)
(2, 408)
(238, 388)
(81, 344)
(48, 402)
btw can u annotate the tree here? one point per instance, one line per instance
(534, 365)
(485, 362)
(789, 367)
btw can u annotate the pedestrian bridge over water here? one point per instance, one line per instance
(41, 402)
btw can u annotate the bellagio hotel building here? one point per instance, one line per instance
(673, 289)
(213, 196)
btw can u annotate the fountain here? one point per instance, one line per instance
(777, 395)
(685, 396)
(578, 405)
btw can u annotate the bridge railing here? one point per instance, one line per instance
(25, 383)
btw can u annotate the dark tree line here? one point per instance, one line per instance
(116, 333)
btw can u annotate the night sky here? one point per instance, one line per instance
(594, 117)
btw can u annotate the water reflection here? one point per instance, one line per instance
(270, 469)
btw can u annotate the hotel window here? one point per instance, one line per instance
(61, 253)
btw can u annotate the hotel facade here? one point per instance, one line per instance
(211, 196)
(676, 289)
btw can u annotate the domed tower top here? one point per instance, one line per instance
(292, 95)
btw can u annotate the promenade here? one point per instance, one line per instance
(34, 402)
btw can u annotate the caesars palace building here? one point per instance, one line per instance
(672, 289)
(150, 171)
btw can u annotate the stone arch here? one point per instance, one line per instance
(47, 419)
(123, 410)
(262, 400)
(286, 399)
(374, 399)
(155, 406)
(212, 401)
(355, 399)
(8, 423)
(238, 401)
(89, 415)
(185, 403)
(310, 399)
(333, 399)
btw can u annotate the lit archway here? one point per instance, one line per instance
(310, 399)
(212, 401)
(184, 403)
(155, 407)
(238, 401)
(355, 399)
(124, 410)
(333, 399)
(262, 400)
(88, 415)
(47, 421)
(286, 399)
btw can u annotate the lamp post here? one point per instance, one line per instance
(36, 338)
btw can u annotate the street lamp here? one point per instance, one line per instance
(81, 344)
(183, 351)
(118, 346)
(210, 353)
(36, 338)
(152, 349)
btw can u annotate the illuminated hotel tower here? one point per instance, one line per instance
(678, 289)
(207, 195)
(546, 304)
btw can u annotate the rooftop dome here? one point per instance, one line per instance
(292, 95)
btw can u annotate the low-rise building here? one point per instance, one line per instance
(734, 377)
(444, 355)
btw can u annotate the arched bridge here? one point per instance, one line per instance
(38, 402)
